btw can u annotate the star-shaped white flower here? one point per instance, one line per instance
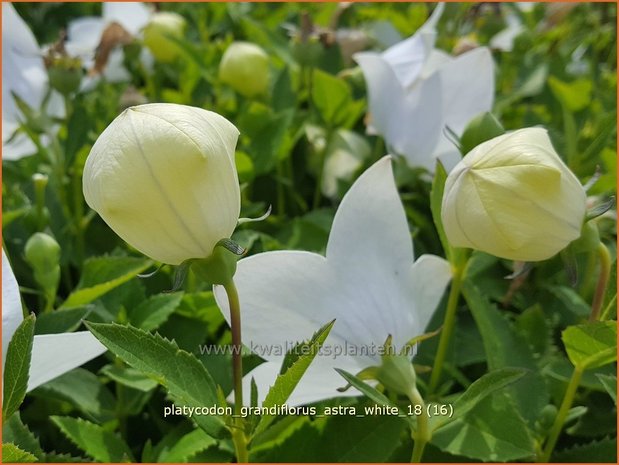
(23, 74)
(84, 36)
(52, 354)
(416, 91)
(368, 281)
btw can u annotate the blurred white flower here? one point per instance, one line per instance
(23, 74)
(52, 354)
(368, 281)
(416, 91)
(85, 34)
(504, 39)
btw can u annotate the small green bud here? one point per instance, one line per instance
(307, 53)
(245, 67)
(159, 35)
(65, 74)
(42, 253)
(397, 374)
(547, 417)
(480, 129)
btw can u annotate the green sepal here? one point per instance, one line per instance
(600, 208)
(480, 129)
(220, 266)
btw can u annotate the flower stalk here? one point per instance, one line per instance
(423, 434)
(602, 283)
(448, 327)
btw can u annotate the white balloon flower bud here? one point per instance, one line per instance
(163, 177)
(160, 32)
(513, 197)
(245, 67)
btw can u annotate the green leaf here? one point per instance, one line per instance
(97, 442)
(505, 347)
(152, 313)
(610, 384)
(181, 373)
(55, 457)
(370, 392)
(591, 345)
(478, 391)
(17, 366)
(288, 380)
(185, 447)
(336, 439)
(13, 454)
(61, 321)
(333, 99)
(130, 377)
(492, 431)
(101, 275)
(436, 201)
(82, 389)
(575, 95)
(14, 431)
(604, 451)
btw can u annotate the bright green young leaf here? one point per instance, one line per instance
(591, 345)
(574, 95)
(181, 373)
(478, 391)
(298, 363)
(101, 275)
(436, 200)
(17, 366)
(493, 431)
(96, 441)
(610, 384)
(82, 389)
(505, 347)
(13, 454)
(130, 377)
(61, 321)
(185, 447)
(153, 312)
(14, 431)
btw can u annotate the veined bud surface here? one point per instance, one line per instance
(513, 197)
(163, 177)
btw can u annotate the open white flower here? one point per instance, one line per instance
(52, 354)
(416, 91)
(84, 36)
(23, 74)
(368, 281)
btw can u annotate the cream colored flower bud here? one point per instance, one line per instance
(245, 67)
(163, 177)
(513, 197)
(160, 32)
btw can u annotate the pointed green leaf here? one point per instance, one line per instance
(610, 384)
(13, 454)
(478, 391)
(591, 345)
(493, 431)
(101, 275)
(96, 441)
(17, 366)
(14, 431)
(61, 321)
(130, 377)
(181, 373)
(286, 382)
(153, 312)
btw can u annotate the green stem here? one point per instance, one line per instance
(557, 426)
(423, 434)
(448, 327)
(600, 289)
(238, 433)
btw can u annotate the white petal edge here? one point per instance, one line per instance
(12, 313)
(56, 354)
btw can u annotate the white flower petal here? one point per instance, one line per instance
(12, 313)
(133, 16)
(84, 35)
(468, 87)
(366, 283)
(55, 354)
